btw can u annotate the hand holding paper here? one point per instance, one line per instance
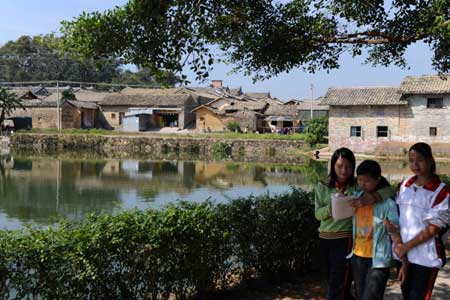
(341, 206)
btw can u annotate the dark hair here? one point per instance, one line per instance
(373, 169)
(346, 154)
(425, 150)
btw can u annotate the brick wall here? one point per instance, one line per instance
(71, 116)
(368, 118)
(45, 117)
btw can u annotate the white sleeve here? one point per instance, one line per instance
(438, 215)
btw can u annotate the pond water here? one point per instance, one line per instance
(41, 190)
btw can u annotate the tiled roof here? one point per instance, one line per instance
(37, 90)
(315, 104)
(38, 103)
(230, 105)
(235, 91)
(258, 95)
(363, 96)
(148, 91)
(292, 102)
(23, 93)
(425, 85)
(89, 96)
(249, 105)
(147, 100)
(83, 104)
(276, 109)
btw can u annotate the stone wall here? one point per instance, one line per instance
(160, 147)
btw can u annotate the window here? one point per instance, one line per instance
(355, 131)
(382, 131)
(433, 131)
(113, 116)
(435, 102)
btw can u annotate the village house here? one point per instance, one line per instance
(79, 114)
(140, 109)
(386, 119)
(42, 109)
(42, 114)
(217, 114)
(167, 110)
(280, 117)
(311, 108)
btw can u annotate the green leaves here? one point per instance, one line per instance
(183, 250)
(262, 38)
(8, 103)
(317, 129)
(44, 57)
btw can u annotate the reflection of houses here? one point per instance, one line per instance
(390, 118)
(112, 167)
(136, 169)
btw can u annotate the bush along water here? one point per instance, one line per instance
(183, 251)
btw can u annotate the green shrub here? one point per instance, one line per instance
(184, 250)
(318, 127)
(233, 126)
(310, 139)
(221, 150)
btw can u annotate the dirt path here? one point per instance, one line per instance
(310, 289)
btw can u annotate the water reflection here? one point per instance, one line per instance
(41, 190)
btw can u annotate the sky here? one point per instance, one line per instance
(31, 17)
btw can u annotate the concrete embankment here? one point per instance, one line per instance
(286, 151)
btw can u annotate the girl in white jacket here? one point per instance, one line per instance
(423, 202)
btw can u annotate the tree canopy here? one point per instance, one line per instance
(262, 37)
(41, 58)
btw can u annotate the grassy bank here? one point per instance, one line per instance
(224, 135)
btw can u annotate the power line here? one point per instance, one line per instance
(55, 82)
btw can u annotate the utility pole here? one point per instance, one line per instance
(312, 98)
(58, 113)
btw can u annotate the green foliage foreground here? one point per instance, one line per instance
(182, 251)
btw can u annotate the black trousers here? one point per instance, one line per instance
(336, 267)
(419, 282)
(370, 283)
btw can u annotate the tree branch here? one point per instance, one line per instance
(373, 38)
